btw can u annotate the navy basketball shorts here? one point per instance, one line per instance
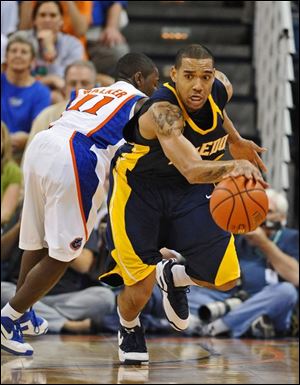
(146, 215)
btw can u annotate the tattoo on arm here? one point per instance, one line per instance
(209, 173)
(215, 174)
(168, 119)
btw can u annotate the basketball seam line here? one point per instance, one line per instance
(249, 227)
(229, 218)
(258, 204)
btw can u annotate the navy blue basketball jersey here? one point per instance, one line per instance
(203, 128)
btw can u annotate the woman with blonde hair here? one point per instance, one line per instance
(11, 178)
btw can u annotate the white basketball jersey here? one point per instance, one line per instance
(100, 113)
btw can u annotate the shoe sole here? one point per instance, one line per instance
(4, 346)
(166, 304)
(27, 353)
(132, 361)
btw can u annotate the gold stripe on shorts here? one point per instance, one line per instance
(229, 268)
(131, 266)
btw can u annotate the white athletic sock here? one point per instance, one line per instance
(180, 277)
(129, 324)
(8, 311)
(216, 327)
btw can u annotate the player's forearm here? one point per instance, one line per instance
(206, 171)
(233, 134)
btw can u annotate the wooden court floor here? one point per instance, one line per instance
(94, 360)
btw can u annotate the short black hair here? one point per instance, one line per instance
(131, 63)
(194, 51)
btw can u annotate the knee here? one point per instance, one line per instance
(227, 286)
(106, 299)
(287, 292)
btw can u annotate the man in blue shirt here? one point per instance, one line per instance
(269, 261)
(23, 98)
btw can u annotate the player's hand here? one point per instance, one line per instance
(247, 169)
(247, 149)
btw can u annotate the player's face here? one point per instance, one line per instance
(19, 57)
(150, 83)
(48, 17)
(194, 80)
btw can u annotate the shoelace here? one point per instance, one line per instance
(130, 338)
(19, 333)
(134, 338)
(35, 322)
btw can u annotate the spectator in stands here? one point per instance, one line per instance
(106, 44)
(23, 97)
(269, 260)
(80, 74)
(55, 50)
(76, 17)
(11, 179)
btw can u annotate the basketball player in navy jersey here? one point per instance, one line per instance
(161, 182)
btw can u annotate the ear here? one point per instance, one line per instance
(173, 74)
(138, 78)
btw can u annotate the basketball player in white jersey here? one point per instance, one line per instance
(64, 173)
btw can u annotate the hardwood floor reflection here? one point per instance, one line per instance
(94, 359)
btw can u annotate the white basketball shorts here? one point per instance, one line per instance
(62, 193)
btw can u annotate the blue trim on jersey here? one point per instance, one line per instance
(73, 95)
(86, 162)
(112, 132)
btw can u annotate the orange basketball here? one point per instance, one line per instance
(239, 205)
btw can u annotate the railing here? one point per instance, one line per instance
(273, 49)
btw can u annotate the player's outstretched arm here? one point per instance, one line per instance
(164, 121)
(239, 147)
